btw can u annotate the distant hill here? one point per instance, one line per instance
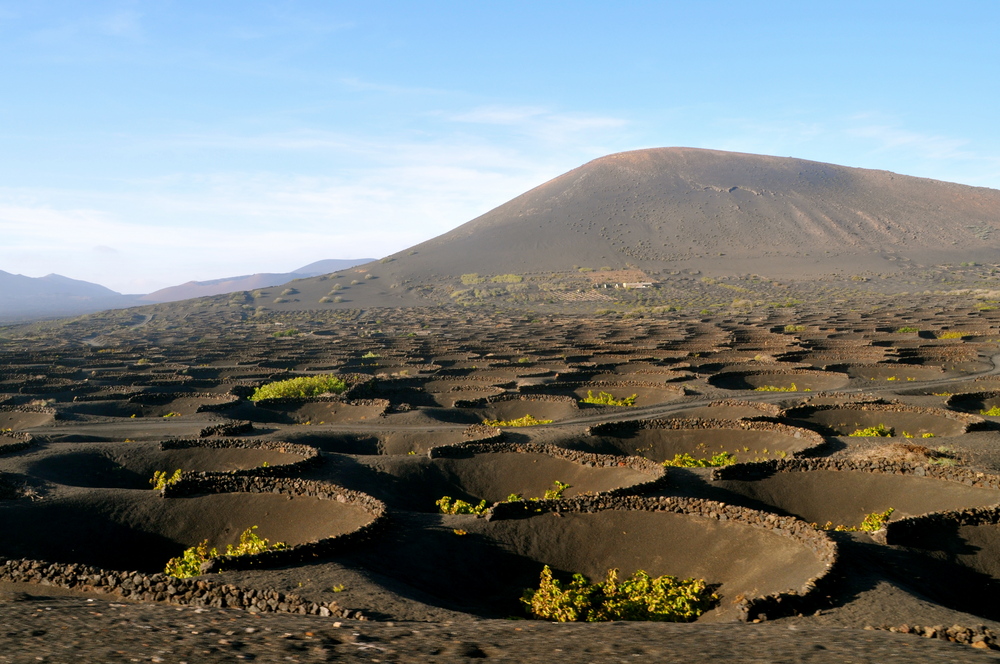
(710, 209)
(660, 211)
(194, 289)
(53, 295)
(29, 298)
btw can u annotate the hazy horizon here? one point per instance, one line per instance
(158, 143)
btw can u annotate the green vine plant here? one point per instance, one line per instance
(300, 388)
(777, 388)
(685, 460)
(188, 564)
(550, 494)
(449, 505)
(607, 399)
(526, 421)
(871, 523)
(638, 597)
(877, 431)
(161, 480)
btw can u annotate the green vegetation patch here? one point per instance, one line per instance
(550, 494)
(472, 279)
(526, 421)
(778, 388)
(685, 460)
(871, 523)
(449, 505)
(507, 279)
(161, 480)
(992, 412)
(906, 329)
(606, 399)
(639, 597)
(300, 388)
(877, 431)
(188, 564)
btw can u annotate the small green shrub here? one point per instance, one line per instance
(526, 421)
(370, 355)
(906, 329)
(992, 412)
(877, 431)
(875, 520)
(556, 493)
(777, 388)
(188, 564)
(472, 279)
(290, 332)
(300, 388)
(606, 399)
(507, 279)
(449, 505)
(639, 597)
(550, 494)
(950, 335)
(172, 414)
(161, 480)
(871, 523)
(685, 460)
(795, 328)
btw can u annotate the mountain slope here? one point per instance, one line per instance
(677, 205)
(194, 289)
(54, 295)
(659, 211)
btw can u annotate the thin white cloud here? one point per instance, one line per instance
(886, 137)
(194, 227)
(372, 197)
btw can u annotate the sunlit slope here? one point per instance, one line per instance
(654, 212)
(652, 208)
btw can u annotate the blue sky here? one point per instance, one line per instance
(149, 143)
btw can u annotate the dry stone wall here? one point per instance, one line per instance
(207, 483)
(656, 471)
(912, 531)
(630, 426)
(969, 422)
(137, 586)
(762, 469)
(310, 455)
(749, 608)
